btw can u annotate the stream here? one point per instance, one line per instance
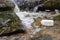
(27, 18)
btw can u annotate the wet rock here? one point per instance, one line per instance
(52, 4)
(57, 17)
(4, 38)
(43, 37)
(14, 32)
(40, 8)
(9, 22)
(17, 39)
(25, 5)
(6, 5)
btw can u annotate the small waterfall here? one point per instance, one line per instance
(16, 9)
(25, 21)
(27, 18)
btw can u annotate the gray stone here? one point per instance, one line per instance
(6, 5)
(43, 37)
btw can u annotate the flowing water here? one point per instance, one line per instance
(27, 18)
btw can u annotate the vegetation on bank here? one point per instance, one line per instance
(9, 22)
(52, 4)
(57, 17)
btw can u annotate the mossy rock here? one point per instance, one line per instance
(57, 17)
(9, 22)
(37, 22)
(52, 4)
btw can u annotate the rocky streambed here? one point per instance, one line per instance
(9, 21)
(22, 25)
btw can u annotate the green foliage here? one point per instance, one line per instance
(14, 22)
(57, 17)
(52, 3)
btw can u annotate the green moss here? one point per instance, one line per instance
(1, 30)
(37, 22)
(14, 22)
(52, 3)
(57, 17)
(13, 25)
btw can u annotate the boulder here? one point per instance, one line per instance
(6, 5)
(52, 4)
(43, 37)
(47, 22)
(9, 22)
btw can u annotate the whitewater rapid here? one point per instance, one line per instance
(27, 18)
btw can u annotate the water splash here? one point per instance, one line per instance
(27, 18)
(26, 21)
